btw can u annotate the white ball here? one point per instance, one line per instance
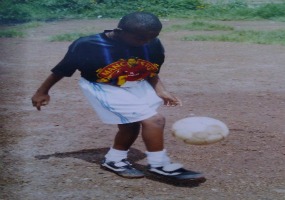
(200, 130)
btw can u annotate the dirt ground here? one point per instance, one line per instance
(55, 154)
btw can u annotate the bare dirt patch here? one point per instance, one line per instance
(56, 153)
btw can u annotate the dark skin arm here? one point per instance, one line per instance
(41, 97)
(169, 99)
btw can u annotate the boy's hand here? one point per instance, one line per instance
(39, 100)
(41, 97)
(170, 100)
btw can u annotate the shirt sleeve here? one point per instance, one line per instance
(157, 53)
(69, 64)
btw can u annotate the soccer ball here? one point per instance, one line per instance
(200, 130)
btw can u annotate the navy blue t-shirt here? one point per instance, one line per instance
(101, 59)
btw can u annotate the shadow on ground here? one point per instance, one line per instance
(97, 155)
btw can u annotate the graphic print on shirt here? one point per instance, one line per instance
(121, 71)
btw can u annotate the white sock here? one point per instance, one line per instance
(158, 158)
(115, 155)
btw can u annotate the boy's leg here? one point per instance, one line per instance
(152, 133)
(116, 158)
(159, 162)
(126, 136)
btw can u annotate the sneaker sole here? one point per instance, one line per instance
(130, 176)
(176, 182)
(200, 179)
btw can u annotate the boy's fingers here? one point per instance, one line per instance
(174, 102)
(38, 106)
(44, 103)
(179, 102)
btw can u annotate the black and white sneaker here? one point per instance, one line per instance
(175, 171)
(122, 168)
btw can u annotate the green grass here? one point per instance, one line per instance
(68, 36)
(42, 10)
(232, 35)
(28, 25)
(276, 37)
(199, 26)
(196, 25)
(71, 36)
(248, 36)
(237, 10)
(18, 31)
(11, 33)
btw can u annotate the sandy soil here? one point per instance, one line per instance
(55, 154)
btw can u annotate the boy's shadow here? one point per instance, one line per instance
(134, 155)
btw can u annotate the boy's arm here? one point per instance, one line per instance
(41, 97)
(160, 90)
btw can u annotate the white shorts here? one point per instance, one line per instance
(121, 105)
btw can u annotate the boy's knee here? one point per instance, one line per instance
(157, 119)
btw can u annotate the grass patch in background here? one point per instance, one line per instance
(28, 25)
(248, 36)
(18, 31)
(68, 36)
(71, 36)
(236, 10)
(13, 11)
(11, 33)
(199, 26)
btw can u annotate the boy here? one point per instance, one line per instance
(119, 76)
